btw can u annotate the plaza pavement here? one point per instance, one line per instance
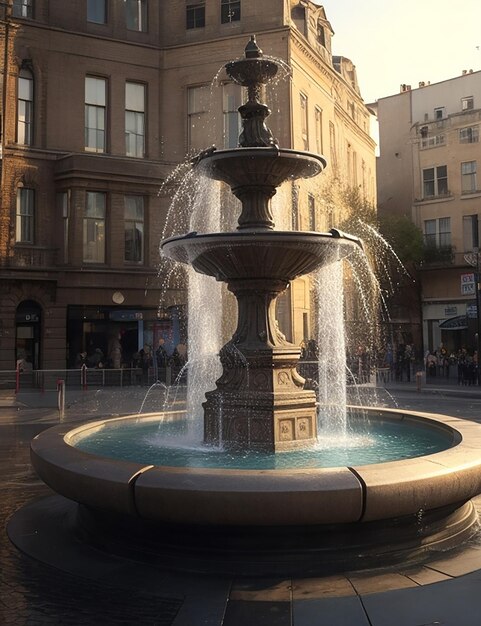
(93, 589)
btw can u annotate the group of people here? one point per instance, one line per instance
(462, 363)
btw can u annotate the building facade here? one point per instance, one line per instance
(101, 100)
(427, 170)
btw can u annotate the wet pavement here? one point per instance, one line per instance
(446, 591)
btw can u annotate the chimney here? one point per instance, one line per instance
(422, 83)
(465, 72)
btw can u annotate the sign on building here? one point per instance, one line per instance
(468, 284)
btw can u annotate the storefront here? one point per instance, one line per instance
(28, 320)
(114, 336)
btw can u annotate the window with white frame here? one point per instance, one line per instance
(435, 181)
(318, 116)
(25, 216)
(134, 229)
(232, 100)
(95, 114)
(304, 121)
(437, 232)
(195, 16)
(97, 11)
(135, 120)
(470, 232)
(468, 177)
(136, 15)
(470, 134)
(94, 227)
(25, 107)
(197, 107)
(433, 142)
(230, 11)
(467, 103)
(22, 8)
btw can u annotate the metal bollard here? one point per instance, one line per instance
(419, 377)
(61, 397)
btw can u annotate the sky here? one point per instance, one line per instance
(392, 42)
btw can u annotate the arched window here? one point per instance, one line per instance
(25, 107)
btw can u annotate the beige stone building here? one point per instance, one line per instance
(427, 170)
(101, 99)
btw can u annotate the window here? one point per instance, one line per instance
(304, 121)
(64, 212)
(24, 231)
(136, 15)
(230, 11)
(467, 103)
(197, 106)
(354, 168)
(437, 233)
(95, 113)
(94, 228)
(435, 181)
(312, 212)
(97, 11)
(468, 177)
(470, 232)
(469, 134)
(432, 142)
(295, 208)
(25, 108)
(332, 144)
(135, 120)
(232, 99)
(439, 113)
(195, 16)
(318, 114)
(134, 229)
(22, 8)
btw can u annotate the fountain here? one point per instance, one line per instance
(296, 519)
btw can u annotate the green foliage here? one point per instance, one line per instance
(405, 238)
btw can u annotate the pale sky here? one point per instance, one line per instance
(392, 42)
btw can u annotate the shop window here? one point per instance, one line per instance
(25, 107)
(135, 120)
(94, 227)
(95, 114)
(195, 16)
(134, 229)
(230, 11)
(25, 220)
(136, 15)
(97, 11)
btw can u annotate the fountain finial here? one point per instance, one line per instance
(252, 50)
(253, 71)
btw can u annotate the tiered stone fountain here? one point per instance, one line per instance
(260, 401)
(307, 519)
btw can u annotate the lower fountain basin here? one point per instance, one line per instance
(306, 496)
(278, 255)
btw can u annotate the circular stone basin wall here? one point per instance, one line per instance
(319, 496)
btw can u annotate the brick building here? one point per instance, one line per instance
(101, 99)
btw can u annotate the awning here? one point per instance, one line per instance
(459, 322)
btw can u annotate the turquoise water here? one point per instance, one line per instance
(168, 444)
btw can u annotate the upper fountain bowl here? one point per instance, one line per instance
(260, 166)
